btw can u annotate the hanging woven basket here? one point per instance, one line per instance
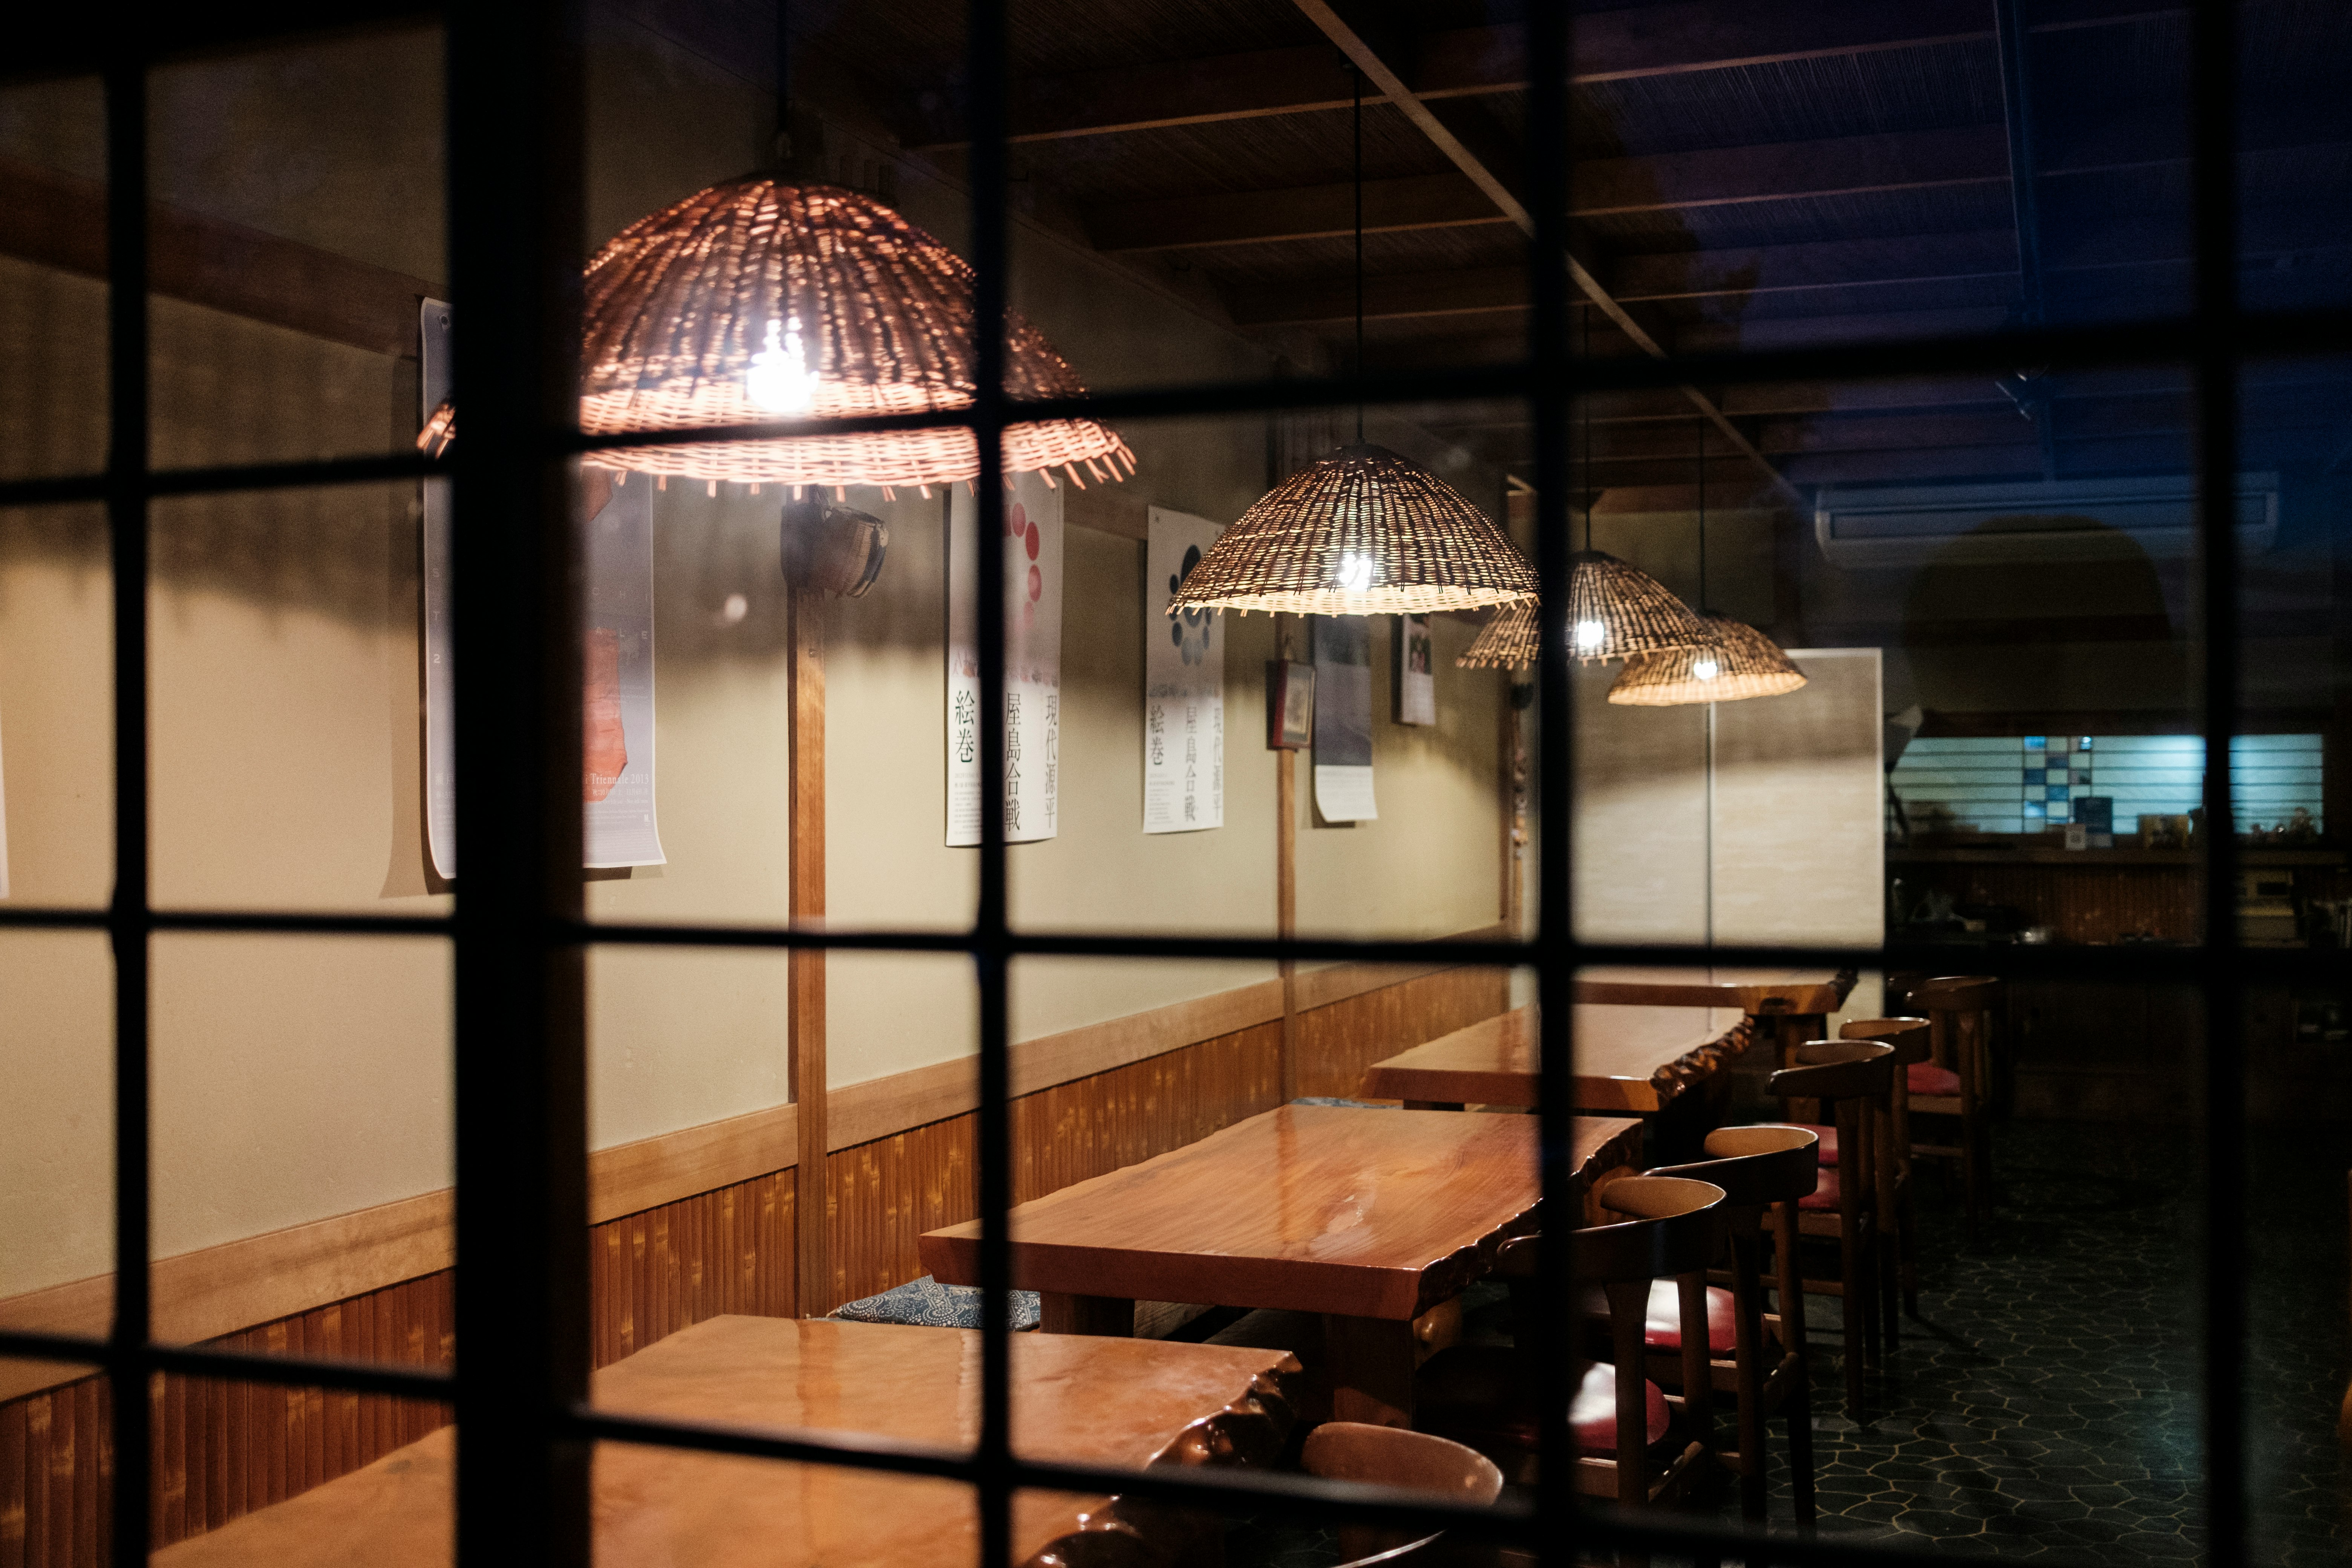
(1616, 610)
(1364, 531)
(877, 314)
(1508, 640)
(1742, 662)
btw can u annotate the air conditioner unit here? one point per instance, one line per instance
(2055, 520)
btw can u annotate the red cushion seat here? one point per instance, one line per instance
(1592, 1413)
(1826, 1191)
(1927, 1077)
(1827, 1151)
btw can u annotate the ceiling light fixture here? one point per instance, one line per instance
(1363, 531)
(1734, 661)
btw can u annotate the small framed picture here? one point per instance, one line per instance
(1289, 706)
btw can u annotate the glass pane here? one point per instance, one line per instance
(302, 1156)
(297, 226)
(57, 1149)
(52, 279)
(285, 690)
(259, 1473)
(56, 707)
(2293, 176)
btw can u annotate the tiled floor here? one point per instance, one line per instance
(2046, 1407)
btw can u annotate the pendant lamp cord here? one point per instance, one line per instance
(1358, 129)
(784, 144)
(1702, 517)
(1592, 492)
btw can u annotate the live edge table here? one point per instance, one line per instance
(1367, 1217)
(1113, 1403)
(1795, 1003)
(1637, 1060)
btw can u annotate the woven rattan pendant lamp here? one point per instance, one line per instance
(766, 298)
(1508, 640)
(1736, 662)
(773, 297)
(1363, 531)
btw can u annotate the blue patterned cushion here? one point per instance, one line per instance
(926, 1303)
(1351, 1104)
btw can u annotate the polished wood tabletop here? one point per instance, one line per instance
(1805, 992)
(1097, 1401)
(1627, 1058)
(1365, 1217)
(1367, 1213)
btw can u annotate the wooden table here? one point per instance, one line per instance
(1112, 1402)
(1797, 1001)
(1638, 1059)
(1367, 1218)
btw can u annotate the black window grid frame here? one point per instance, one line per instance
(518, 933)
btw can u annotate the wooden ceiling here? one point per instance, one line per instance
(1748, 176)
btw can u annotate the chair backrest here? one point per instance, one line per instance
(1837, 1070)
(1674, 1225)
(1911, 1037)
(1676, 1230)
(1391, 1457)
(1754, 1165)
(1957, 994)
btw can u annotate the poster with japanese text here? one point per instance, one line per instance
(1343, 716)
(1183, 684)
(1033, 662)
(618, 827)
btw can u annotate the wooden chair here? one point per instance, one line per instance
(1411, 1461)
(1851, 1080)
(1758, 1168)
(1897, 1224)
(1622, 1422)
(1958, 1081)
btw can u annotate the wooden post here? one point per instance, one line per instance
(1286, 875)
(812, 1273)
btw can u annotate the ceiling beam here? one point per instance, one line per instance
(1605, 187)
(1610, 45)
(1308, 212)
(1393, 87)
(1395, 297)
(1821, 264)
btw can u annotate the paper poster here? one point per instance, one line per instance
(3, 830)
(1415, 683)
(618, 825)
(617, 728)
(1033, 662)
(440, 700)
(1183, 684)
(1343, 718)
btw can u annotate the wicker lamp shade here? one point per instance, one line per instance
(829, 305)
(1616, 610)
(1741, 662)
(1364, 531)
(1508, 640)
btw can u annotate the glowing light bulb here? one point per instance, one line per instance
(1356, 572)
(1705, 670)
(1589, 634)
(779, 379)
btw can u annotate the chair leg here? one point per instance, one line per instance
(1889, 1271)
(1973, 1163)
(1853, 1309)
(1908, 1229)
(1800, 1448)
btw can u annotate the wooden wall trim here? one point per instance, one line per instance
(217, 1291)
(630, 1177)
(883, 1107)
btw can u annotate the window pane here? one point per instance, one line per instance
(297, 226)
(52, 278)
(56, 712)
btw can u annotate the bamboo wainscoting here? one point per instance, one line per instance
(226, 1448)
